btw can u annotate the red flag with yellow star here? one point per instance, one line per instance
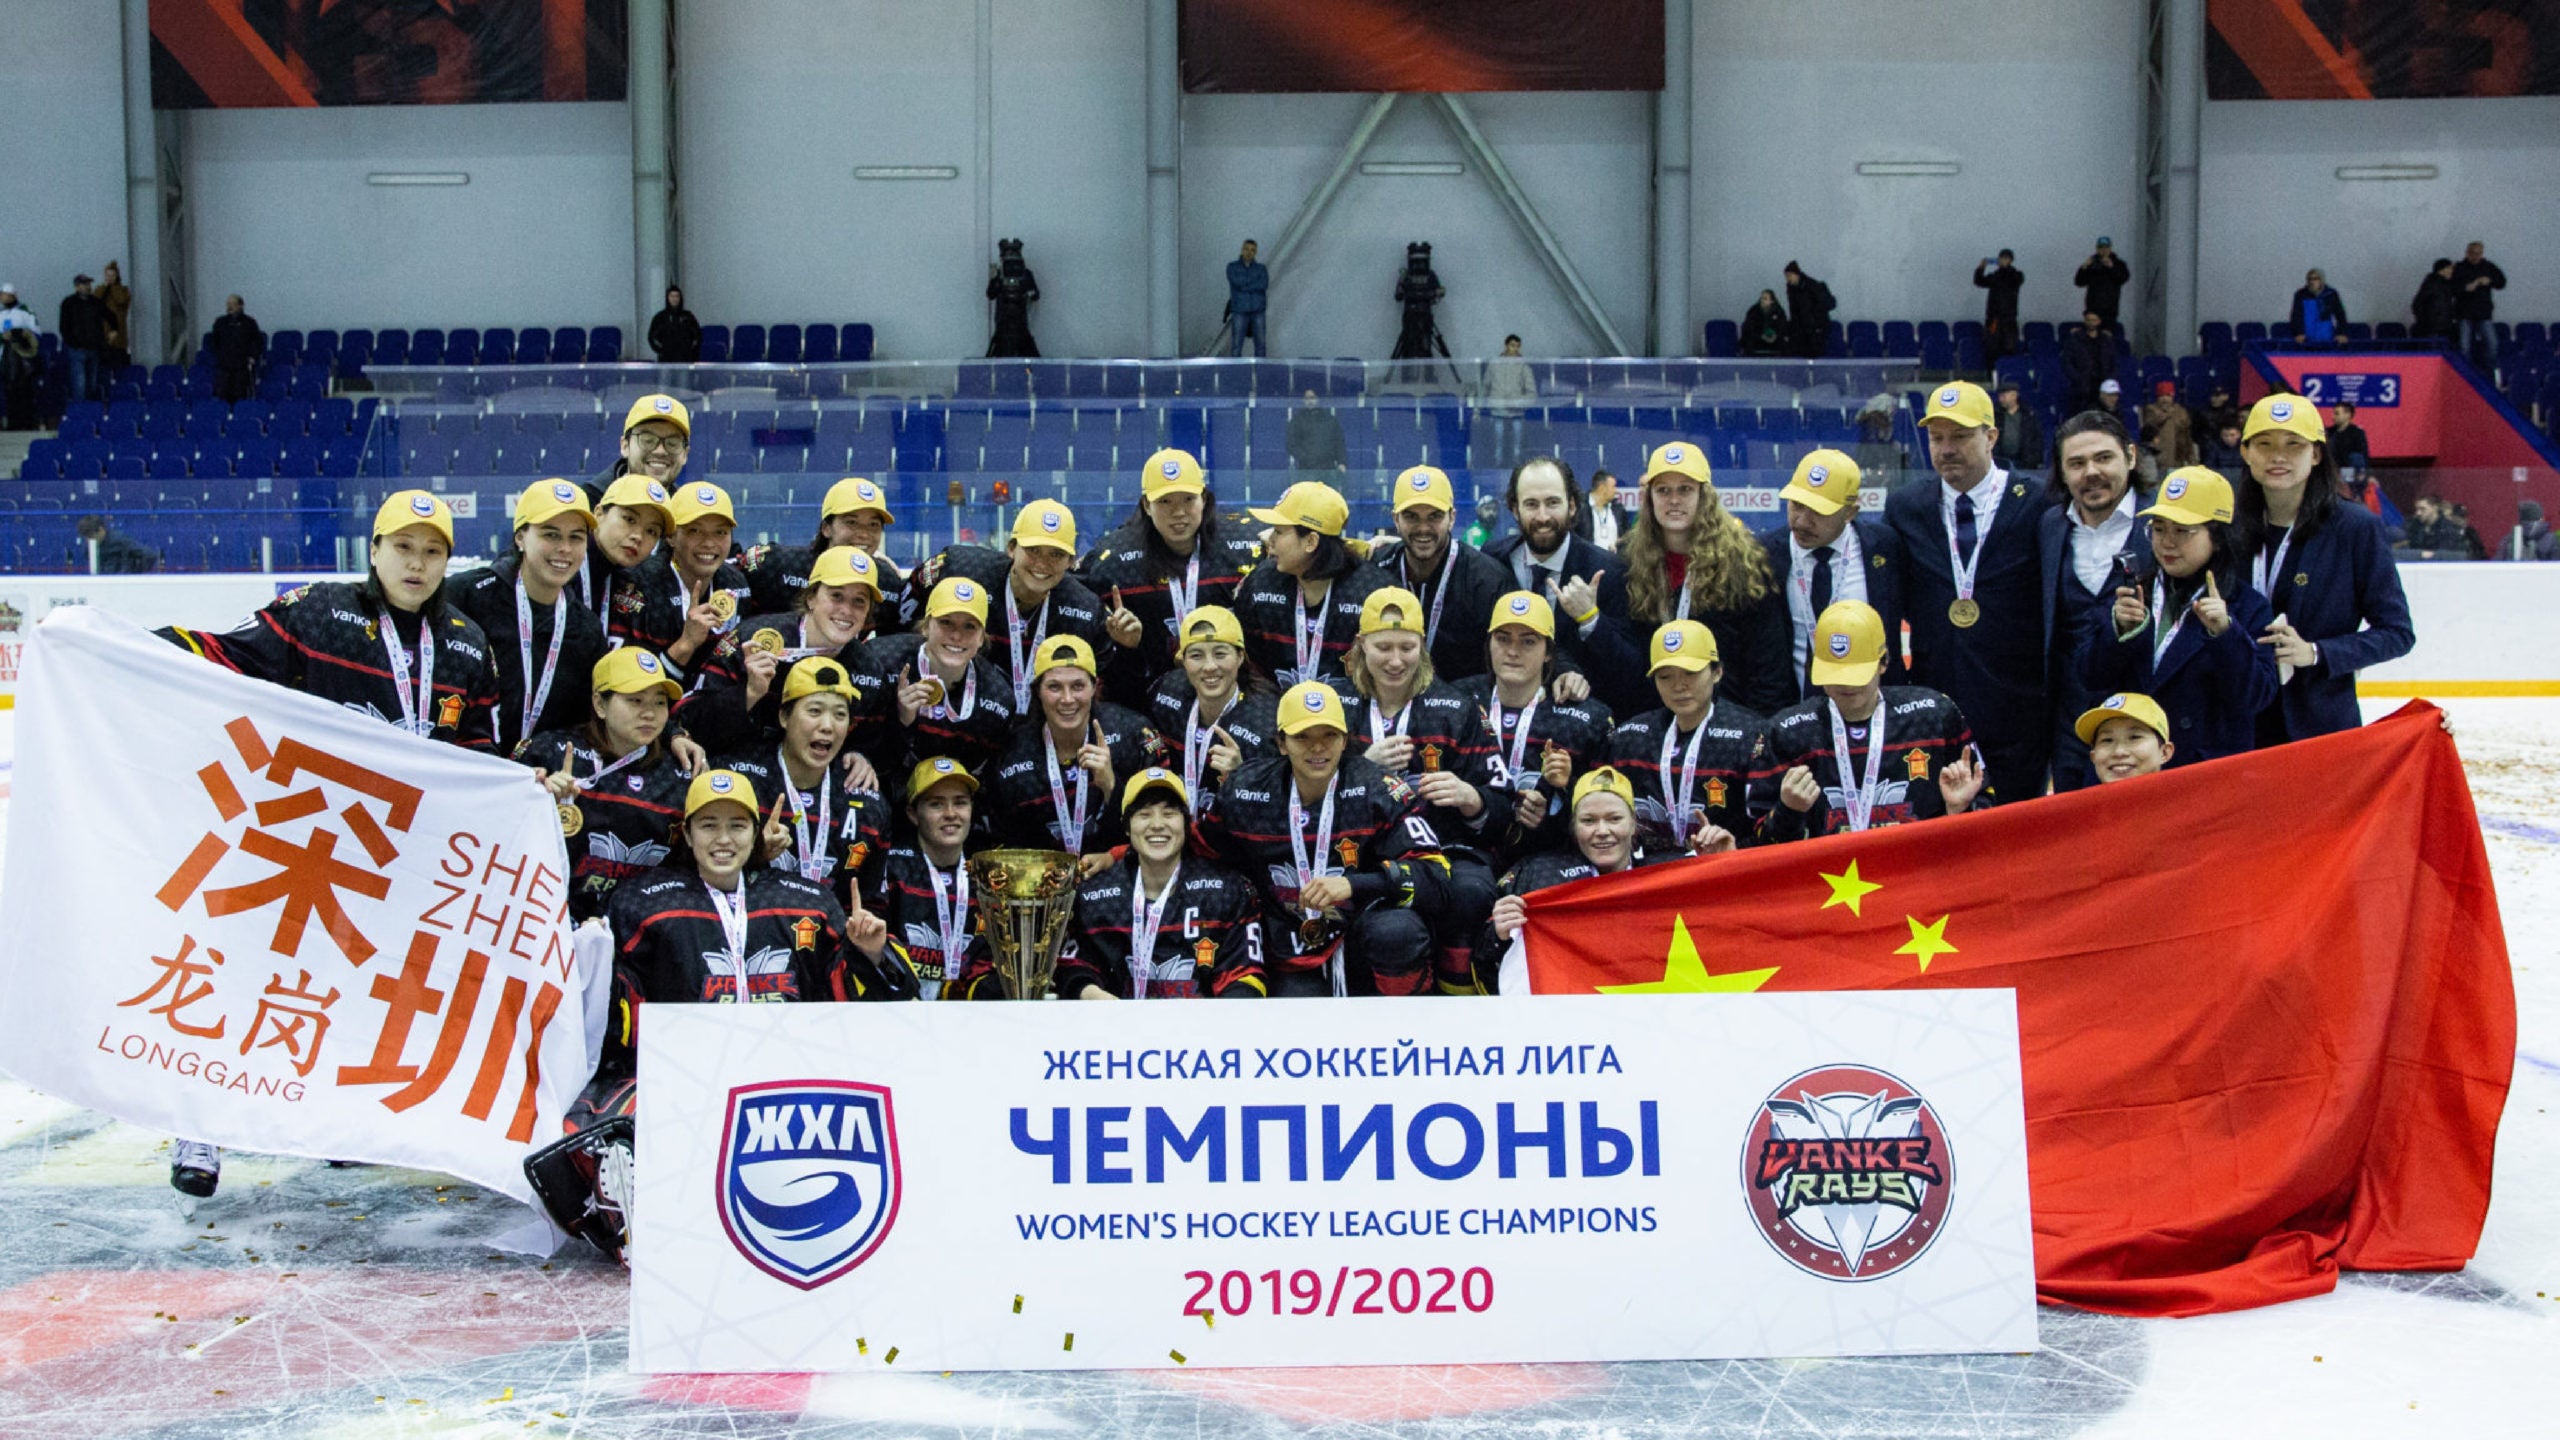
(2264, 1005)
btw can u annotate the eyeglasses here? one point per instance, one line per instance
(647, 441)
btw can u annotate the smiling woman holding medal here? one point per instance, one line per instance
(1863, 754)
(2183, 631)
(700, 592)
(731, 704)
(1540, 740)
(1607, 839)
(951, 700)
(830, 829)
(537, 633)
(1158, 925)
(1052, 787)
(1690, 760)
(614, 777)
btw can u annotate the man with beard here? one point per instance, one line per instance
(1582, 581)
(1457, 582)
(2087, 547)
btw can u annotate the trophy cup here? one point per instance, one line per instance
(1026, 895)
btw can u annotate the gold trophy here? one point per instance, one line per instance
(1026, 896)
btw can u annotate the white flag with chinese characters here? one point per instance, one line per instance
(235, 913)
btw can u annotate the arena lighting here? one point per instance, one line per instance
(2386, 172)
(1909, 167)
(417, 177)
(1412, 167)
(906, 172)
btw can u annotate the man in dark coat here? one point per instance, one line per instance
(1809, 306)
(238, 346)
(83, 330)
(2102, 278)
(2431, 311)
(2475, 304)
(2002, 279)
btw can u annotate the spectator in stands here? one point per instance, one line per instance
(2111, 400)
(2347, 442)
(2168, 431)
(118, 298)
(113, 554)
(20, 336)
(1600, 522)
(2431, 311)
(238, 347)
(83, 328)
(1509, 387)
(2021, 442)
(2102, 278)
(1248, 300)
(1315, 439)
(2476, 282)
(1764, 326)
(1881, 462)
(2473, 547)
(2222, 453)
(2433, 533)
(675, 337)
(2319, 317)
(1973, 592)
(2532, 539)
(1488, 522)
(1809, 306)
(2080, 542)
(2220, 409)
(2002, 279)
(2088, 359)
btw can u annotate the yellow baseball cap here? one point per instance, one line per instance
(719, 787)
(1848, 644)
(549, 499)
(1425, 485)
(816, 675)
(2140, 708)
(1391, 607)
(936, 771)
(851, 496)
(957, 596)
(1212, 622)
(1682, 645)
(634, 670)
(1154, 777)
(1172, 472)
(846, 565)
(405, 508)
(1679, 458)
(1824, 481)
(1961, 401)
(1311, 705)
(2193, 495)
(1605, 780)
(659, 407)
(638, 492)
(1309, 505)
(1046, 522)
(2285, 412)
(1060, 650)
(698, 500)
(1524, 607)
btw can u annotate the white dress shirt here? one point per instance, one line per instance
(1848, 582)
(2094, 548)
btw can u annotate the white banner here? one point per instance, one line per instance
(1305, 1182)
(235, 913)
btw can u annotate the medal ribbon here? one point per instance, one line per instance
(538, 695)
(417, 714)
(2265, 568)
(1309, 639)
(1309, 870)
(1022, 655)
(1518, 754)
(732, 905)
(814, 862)
(951, 915)
(1676, 802)
(1862, 800)
(1071, 820)
(1144, 924)
(2160, 637)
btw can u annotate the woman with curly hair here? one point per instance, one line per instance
(1688, 558)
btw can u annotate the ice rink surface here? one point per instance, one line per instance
(310, 1302)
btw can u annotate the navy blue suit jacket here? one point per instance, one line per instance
(1881, 562)
(2210, 686)
(2341, 589)
(1995, 670)
(1582, 560)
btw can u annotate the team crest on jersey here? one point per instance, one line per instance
(804, 933)
(1430, 757)
(449, 711)
(809, 1180)
(1915, 766)
(1715, 792)
(1847, 1173)
(1349, 850)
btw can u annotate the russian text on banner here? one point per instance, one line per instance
(1300, 1182)
(235, 913)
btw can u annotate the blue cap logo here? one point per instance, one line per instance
(657, 492)
(2176, 487)
(941, 767)
(563, 491)
(1839, 643)
(705, 495)
(646, 661)
(1314, 701)
(2281, 410)
(422, 505)
(1171, 469)
(720, 784)
(2112, 702)
(1519, 604)
(960, 588)
(1671, 455)
(1671, 642)
(1049, 521)
(662, 405)
(1817, 476)
(1949, 396)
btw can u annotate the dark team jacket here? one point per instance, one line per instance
(488, 597)
(1448, 733)
(1881, 563)
(1253, 718)
(2341, 589)
(855, 840)
(2210, 686)
(1071, 608)
(325, 640)
(1209, 944)
(1266, 604)
(973, 739)
(669, 950)
(1582, 728)
(915, 936)
(1473, 584)
(1735, 750)
(715, 710)
(1924, 733)
(1995, 668)
(626, 820)
(1121, 562)
(1381, 842)
(1583, 560)
(636, 604)
(1015, 804)
(665, 602)
(1753, 643)
(778, 573)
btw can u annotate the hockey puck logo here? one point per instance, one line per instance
(1049, 521)
(647, 662)
(657, 492)
(1314, 702)
(1838, 644)
(422, 506)
(1418, 482)
(2112, 702)
(1673, 455)
(662, 405)
(942, 767)
(722, 784)
(705, 495)
(1519, 604)
(1817, 476)
(1949, 396)
(1847, 1173)
(1171, 469)
(809, 1179)
(1671, 642)
(960, 590)
(2176, 488)
(564, 492)
(2280, 411)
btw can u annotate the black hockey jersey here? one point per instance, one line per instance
(1731, 752)
(1253, 719)
(1580, 727)
(715, 712)
(1380, 841)
(626, 821)
(1447, 730)
(1924, 732)
(1267, 607)
(907, 902)
(328, 640)
(971, 728)
(847, 828)
(488, 597)
(1016, 804)
(1070, 609)
(1208, 940)
(1217, 565)
(666, 598)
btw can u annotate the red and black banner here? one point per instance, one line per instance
(242, 54)
(2381, 49)
(1445, 46)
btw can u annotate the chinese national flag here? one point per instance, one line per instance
(2264, 1002)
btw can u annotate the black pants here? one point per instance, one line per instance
(1385, 952)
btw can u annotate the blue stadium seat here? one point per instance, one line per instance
(2248, 331)
(818, 344)
(1903, 334)
(462, 346)
(1724, 339)
(782, 345)
(426, 347)
(569, 345)
(746, 345)
(2039, 332)
(331, 416)
(253, 455)
(1937, 352)
(128, 466)
(285, 346)
(715, 344)
(343, 456)
(533, 345)
(498, 345)
(604, 345)
(856, 342)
